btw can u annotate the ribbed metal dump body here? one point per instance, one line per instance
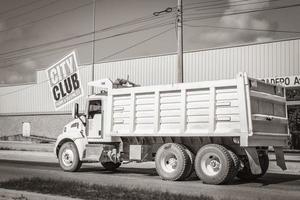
(268, 109)
(195, 109)
(247, 108)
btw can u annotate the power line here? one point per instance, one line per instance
(52, 42)
(78, 36)
(202, 2)
(131, 22)
(189, 19)
(86, 34)
(45, 18)
(32, 10)
(104, 58)
(241, 12)
(86, 42)
(18, 7)
(230, 5)
(136, 44)
(47, 43)
(35, 57)
(243, 29)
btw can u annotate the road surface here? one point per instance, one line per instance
(272, 187)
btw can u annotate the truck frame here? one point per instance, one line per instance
(219, 129)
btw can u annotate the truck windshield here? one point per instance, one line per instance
(94, 108)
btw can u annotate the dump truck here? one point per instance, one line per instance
(218, 129)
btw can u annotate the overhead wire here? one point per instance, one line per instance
(186, 19)
(243, 29)
(222, 14)
(68, 46)
(45, 18)
(82, 35)
(18, 7)
(136, 44)
(231, 4)
(189, 19)
(102, 59)
(146, 27)
(202, 2)
(32, 10)
(131, 22)
(51, 42)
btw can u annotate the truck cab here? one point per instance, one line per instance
(86, 137)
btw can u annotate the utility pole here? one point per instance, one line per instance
(93, 48)
(179, 25)
(179, 21)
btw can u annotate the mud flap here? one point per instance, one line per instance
(253, 160)
(280, 158)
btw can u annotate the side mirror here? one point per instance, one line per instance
(75, 110)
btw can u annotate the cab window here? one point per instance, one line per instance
(94, 108)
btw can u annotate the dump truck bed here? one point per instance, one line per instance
(251, 110)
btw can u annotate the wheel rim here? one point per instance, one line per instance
(211, 164)
(169, 163)
(67, 157)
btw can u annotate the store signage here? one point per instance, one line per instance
(64, 81)
(284, 80)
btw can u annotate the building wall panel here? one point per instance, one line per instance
(259, 61)
(37, 98)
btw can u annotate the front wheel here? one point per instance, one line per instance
(69, 158)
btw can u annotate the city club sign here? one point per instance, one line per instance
(64, 81)
(285, 80)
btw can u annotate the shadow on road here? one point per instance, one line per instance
(268, 179)
(271, 179)
(123, 170)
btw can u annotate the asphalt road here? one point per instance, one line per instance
(273, 186)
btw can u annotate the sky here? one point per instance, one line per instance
(34, 34)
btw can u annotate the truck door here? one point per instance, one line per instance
(94, 124)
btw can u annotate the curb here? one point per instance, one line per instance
(26, 146)
(6, 194)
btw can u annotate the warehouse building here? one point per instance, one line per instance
(31, 106)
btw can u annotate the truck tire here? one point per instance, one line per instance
(190, 165)
(111, 166)
(246, 174)
(236, 166)
(68, 157)
(172, 162)
(214, 164)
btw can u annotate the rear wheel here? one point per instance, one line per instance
(69, 158)
(214, 164)
(236, 165)
(172, 162)
(111, 166)
(246, 174)
(190, 165)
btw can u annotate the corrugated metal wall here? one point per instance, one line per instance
(144, 71)
(36, 98)
(260, 60)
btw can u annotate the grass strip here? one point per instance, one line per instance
(87, 191)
